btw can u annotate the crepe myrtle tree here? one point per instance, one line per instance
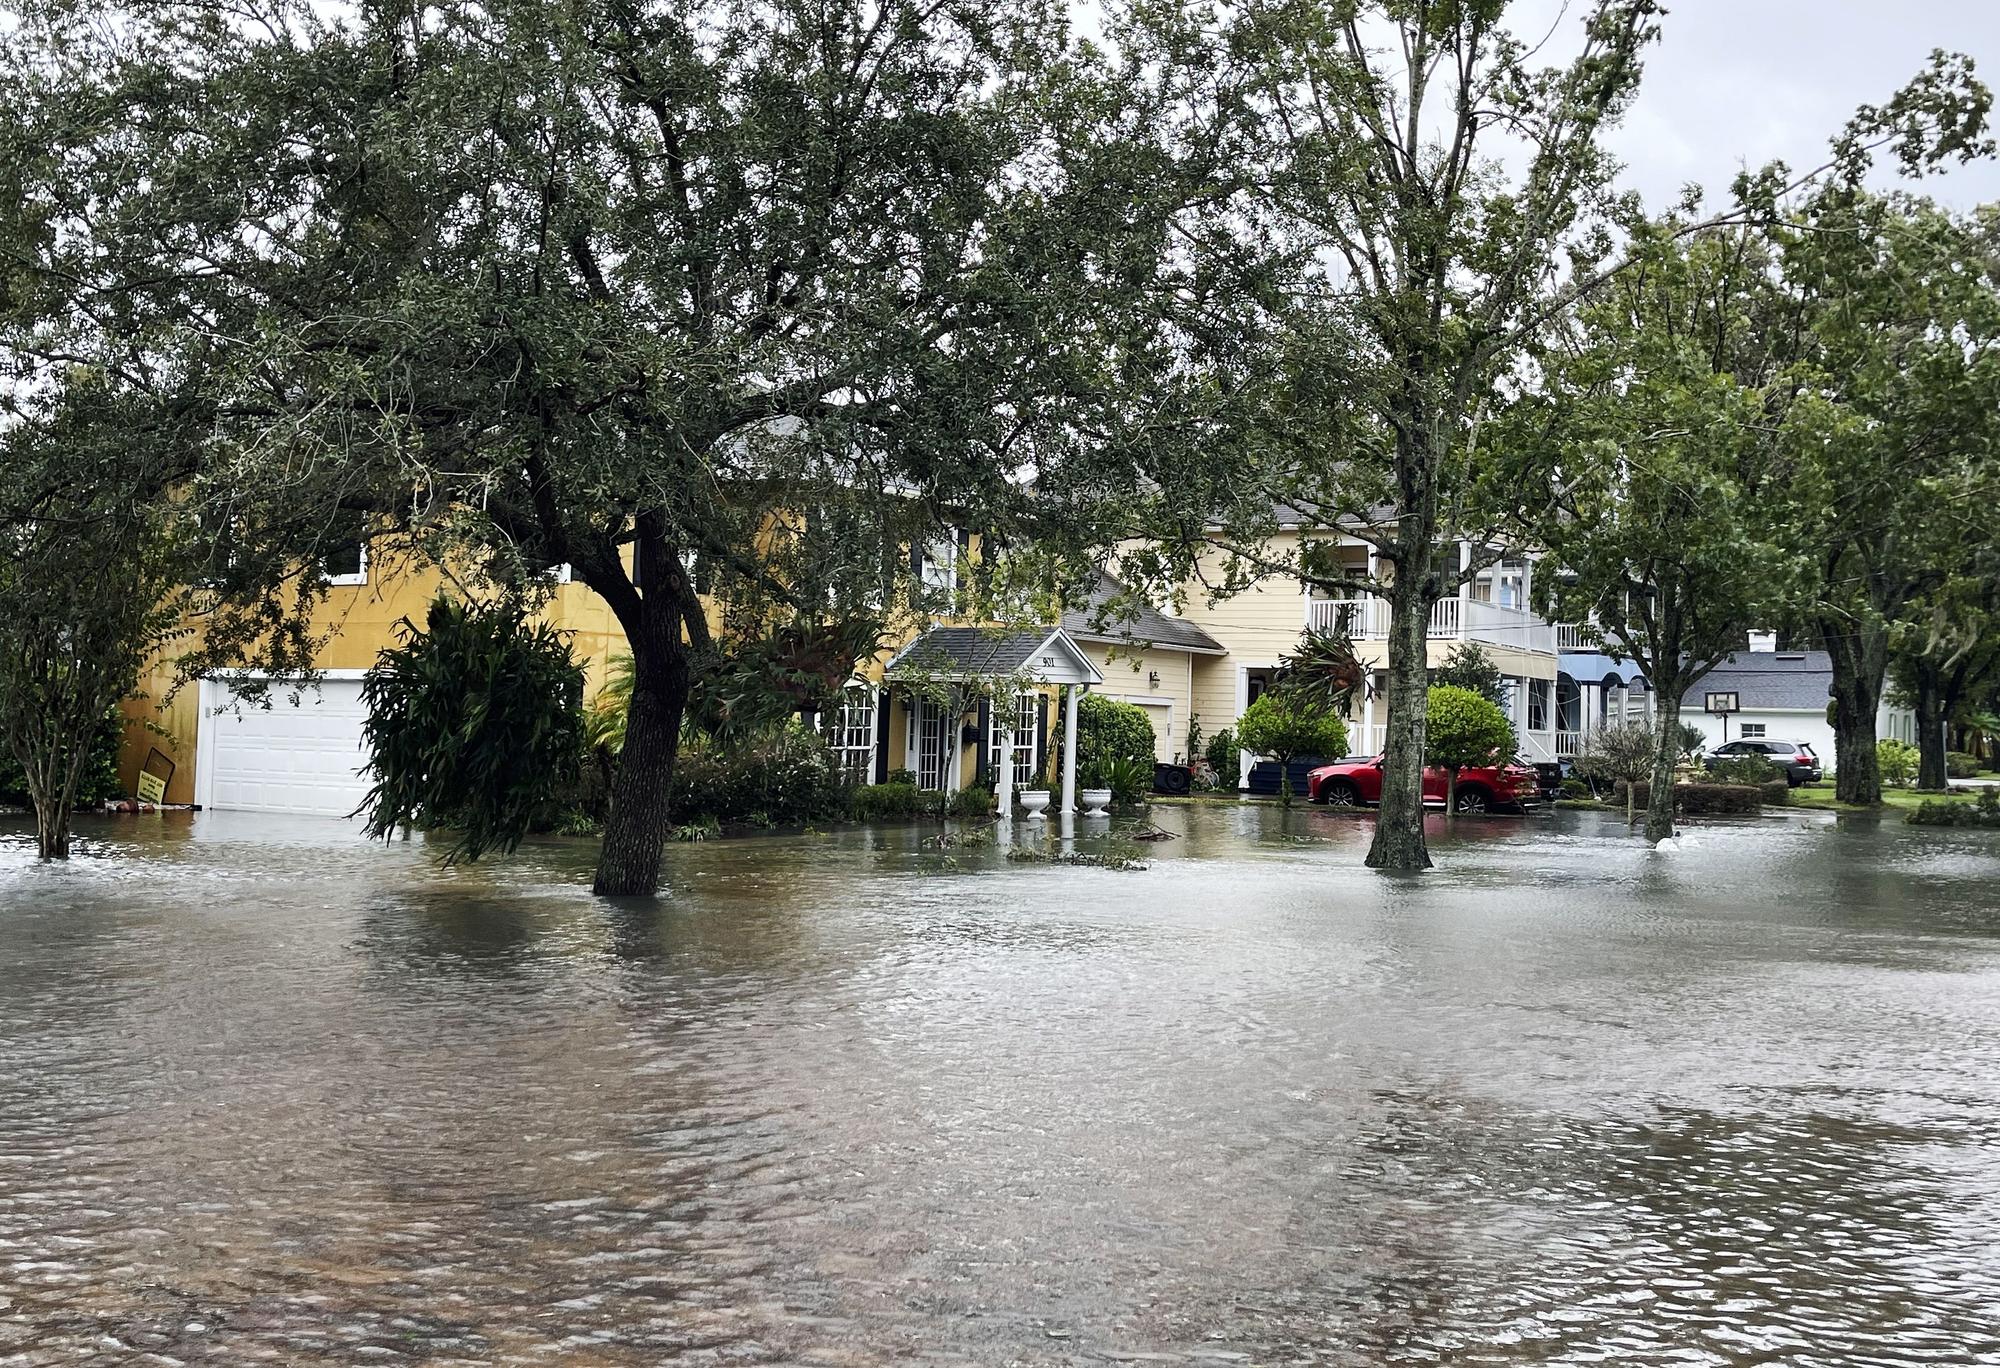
(730, 309)
(93, 572)
(1625, 752)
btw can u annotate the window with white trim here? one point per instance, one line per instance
(1026, 758)
(1538, 704)
(851, 734)
(939, 571)
(1751, 729)
(346, 562)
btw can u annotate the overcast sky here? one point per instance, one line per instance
(1735, 82)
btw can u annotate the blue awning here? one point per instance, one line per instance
(1594, 667)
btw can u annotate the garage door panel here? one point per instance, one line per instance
(302, 757)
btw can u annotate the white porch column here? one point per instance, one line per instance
(954, 756)
(1005, 789)
(1243, 757)
(1069, 750)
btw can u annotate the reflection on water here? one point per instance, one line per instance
(275, 1095)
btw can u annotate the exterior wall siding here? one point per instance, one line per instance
(1127, 675)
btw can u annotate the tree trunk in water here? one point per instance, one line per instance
(52, 770)
(1933, 776)
(1860, 661)
(636, 828)
(1399, 821)
(52, 828)
(1451, 791)
(1666, 757)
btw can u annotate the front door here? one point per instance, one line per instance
(933, 750)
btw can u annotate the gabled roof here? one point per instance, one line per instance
(1129, 625)
(1046, 655)
(1794, 680)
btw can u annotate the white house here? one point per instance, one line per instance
(1781, 695)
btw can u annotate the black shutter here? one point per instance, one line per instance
(882, 735)
(983, 765)
(917, 557)
(1042, 729)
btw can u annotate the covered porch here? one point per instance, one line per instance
(972, 707)
(1593, 692)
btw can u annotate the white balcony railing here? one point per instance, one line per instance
(1452, 619)
(1569, 745)
(1578, 636)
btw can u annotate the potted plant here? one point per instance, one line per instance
(1095, 795)
(1034, 801)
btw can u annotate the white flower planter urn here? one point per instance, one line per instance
(1095, 801)
(1035, 802)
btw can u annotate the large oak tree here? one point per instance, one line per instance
(722, 306)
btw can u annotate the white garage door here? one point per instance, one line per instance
(304, 757)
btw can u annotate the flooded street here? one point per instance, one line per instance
(272, 1095)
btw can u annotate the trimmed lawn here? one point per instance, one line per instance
(1904, 800)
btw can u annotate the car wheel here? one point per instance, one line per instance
(1341, 794)
(1474, 800)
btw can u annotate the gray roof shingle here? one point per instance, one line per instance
(1765, 679)
(974, 650)
(1145, 626)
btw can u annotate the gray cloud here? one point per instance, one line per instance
(1737, 83)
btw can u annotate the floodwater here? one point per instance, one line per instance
(273, 1095)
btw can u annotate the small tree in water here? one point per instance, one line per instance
(91, 583)
(1624, 752)
(1283, 725)
(1466, 729)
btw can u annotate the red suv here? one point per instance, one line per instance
(1350, 783)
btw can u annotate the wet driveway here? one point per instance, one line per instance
(268, 1094)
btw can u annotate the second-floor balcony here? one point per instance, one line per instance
(1452, 619)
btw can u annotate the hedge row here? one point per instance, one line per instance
(1712, 800)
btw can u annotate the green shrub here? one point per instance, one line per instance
(1743, 769)
(1221, 756)
(1959, 765)
(893, 802)
(1575, 788)
(1897, 762)
(1129, 780)
(786, 777)
(1777, 792)
(99, 781)
(1984, 812)
(1709, 800)
(475, 727)
(902, 776)
(1700, 800)
(971, 804)
(1283, 727)
(1106, 730)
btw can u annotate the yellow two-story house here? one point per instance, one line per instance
(1202, 664)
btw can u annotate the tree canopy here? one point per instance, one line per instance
(734, 310)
